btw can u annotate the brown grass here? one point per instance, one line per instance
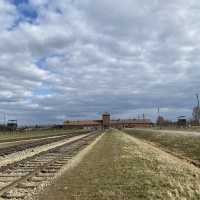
(120, 167)
(186, 145)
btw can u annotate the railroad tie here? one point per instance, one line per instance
(14, 194)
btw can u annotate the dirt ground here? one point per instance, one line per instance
(121, 167)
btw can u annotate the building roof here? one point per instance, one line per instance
(83, 123)
(131, 121)
(106, 113)
(99, 122)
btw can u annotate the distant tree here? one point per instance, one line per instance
(160, 121)
(196, 114)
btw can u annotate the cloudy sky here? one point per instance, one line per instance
(74, 59)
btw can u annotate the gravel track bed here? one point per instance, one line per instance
(19, 142)
(24, 178)
(30, 152)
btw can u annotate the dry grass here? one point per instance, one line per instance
(187, 145)
(193, 128)
(121, 167)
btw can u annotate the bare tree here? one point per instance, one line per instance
(196, 111)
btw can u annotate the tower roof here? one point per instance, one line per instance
(106, 113)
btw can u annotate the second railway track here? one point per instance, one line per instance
(31, 144)
(20, 179)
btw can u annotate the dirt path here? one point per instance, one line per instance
(121, 167)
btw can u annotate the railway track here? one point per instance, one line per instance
(20, 147)
(19, 180)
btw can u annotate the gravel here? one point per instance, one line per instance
(14, 157)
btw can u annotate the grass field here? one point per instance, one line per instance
(187, 145)
(13, 136)
(121, 167)
(193, 128)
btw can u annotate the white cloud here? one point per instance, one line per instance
(80, 58)
(8, 15)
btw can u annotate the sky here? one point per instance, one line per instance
(74, 59)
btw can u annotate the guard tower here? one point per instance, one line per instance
(12, 125)
(105, 121)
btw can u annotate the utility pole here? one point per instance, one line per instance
(158, 111)
(198, 110)
(4, 118)
(158, 118)
(197, 95)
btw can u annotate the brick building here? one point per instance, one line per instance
(106, 122)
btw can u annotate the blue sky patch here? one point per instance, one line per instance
(18, 2)
(26, 11)
(42, 63)
(43, 91)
